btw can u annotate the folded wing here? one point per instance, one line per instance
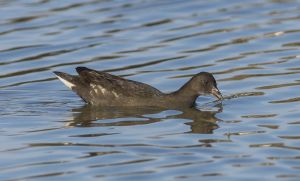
(105, 85)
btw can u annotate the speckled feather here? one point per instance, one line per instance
(103, 89)
(114, 84)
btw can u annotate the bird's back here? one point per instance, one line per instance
(100, 88)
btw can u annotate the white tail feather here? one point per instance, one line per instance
(67, 83)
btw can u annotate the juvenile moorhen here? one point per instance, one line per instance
(103, 89)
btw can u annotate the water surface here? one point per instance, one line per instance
(252, 48)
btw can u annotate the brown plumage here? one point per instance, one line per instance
(103, 89)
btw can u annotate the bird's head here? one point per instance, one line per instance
(204, 83)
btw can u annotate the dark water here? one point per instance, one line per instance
(251, 46)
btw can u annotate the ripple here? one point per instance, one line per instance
(296, 99)
(251, 47)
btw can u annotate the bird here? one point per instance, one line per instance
(99, 88)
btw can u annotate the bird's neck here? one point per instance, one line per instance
(185, 95)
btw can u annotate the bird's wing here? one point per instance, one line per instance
(105, 83)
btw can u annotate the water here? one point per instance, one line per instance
(251, 46)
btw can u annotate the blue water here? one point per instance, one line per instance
(251, 47)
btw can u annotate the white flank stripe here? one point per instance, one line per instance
(102, 89)
(115, 94)
(67, 83)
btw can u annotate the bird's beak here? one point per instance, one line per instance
(215, 92)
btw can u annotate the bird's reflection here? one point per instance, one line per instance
(88, 116)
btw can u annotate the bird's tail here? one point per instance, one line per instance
(67, 79)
